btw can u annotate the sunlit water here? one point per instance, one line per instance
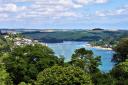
(66, 49)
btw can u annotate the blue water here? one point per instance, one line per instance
(67, 48)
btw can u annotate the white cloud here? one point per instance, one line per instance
(98, 13)
(85, 2)
(49, 9)
(115, 12)
(101, 1)
(4, 17)
(68, 14)
(11, 8)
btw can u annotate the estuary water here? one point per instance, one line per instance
(67, 48)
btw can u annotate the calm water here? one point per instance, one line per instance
(67, 48)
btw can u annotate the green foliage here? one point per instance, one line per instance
(59, 36)
(108, 37)
(58, 75)
(121, 70)
(121, 51)
(26, 62)
(4, 76)
(4, 47)
(3, 56)
(22, 64)
(23, 83)
(120, 73)
(103, 79)
(84, 59)
(82, 53)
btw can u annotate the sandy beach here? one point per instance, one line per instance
(98, 47)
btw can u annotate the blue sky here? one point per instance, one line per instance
(64, 14)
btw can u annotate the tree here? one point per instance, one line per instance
(82, 53)
(23, 83)
(120, 72)
(103, 79)
(4, 46)
(58, 75)
(4, 76)
(121, 51)
(84, 59)
(26, 62)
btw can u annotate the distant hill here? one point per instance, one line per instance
(82, 35)
(97, 29)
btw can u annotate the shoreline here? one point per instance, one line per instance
(98, 47)
(87, 44)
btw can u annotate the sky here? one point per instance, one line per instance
(64, 14)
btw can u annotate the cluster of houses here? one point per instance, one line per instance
(23, 41)
(19, 41)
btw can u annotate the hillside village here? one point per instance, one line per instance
(19, 40)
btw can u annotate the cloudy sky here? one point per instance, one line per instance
(64, 14)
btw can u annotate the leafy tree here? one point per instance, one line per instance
(4, 47)
(61, 61)
(121, 51)
(120, 72)
(26, 62)
(103, 79)
(4, 76)
(82, 53)
(23, 83)
(58, 75)
(84, 59)
(3, 55)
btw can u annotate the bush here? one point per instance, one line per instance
(58, 75)
(24, 63)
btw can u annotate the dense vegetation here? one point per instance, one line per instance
(58, 75)
(100, 37)
(121, 51)
(37, 65)
(28, 61)
(61, 36)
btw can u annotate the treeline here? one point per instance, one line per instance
(37, 65)
(60, 36)
(84, 35)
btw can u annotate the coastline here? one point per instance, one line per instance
(87, 44)
(98, 47)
